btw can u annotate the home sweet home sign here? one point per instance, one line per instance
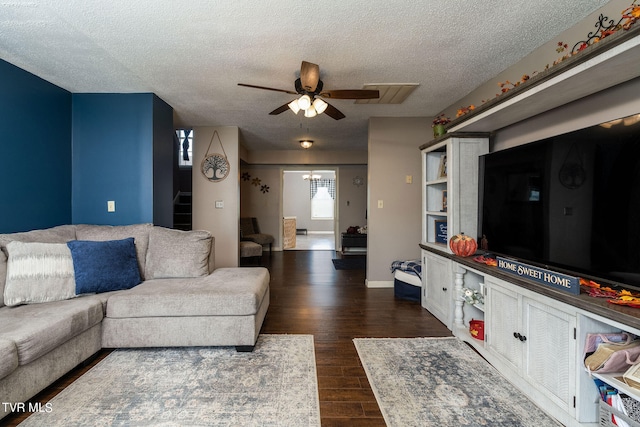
(554, 279)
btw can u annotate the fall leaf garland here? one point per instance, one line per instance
(619, 297)
(629, 17)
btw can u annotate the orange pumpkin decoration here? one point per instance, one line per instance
(463, 245)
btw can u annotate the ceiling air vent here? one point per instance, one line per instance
(390, 93)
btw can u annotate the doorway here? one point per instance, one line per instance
(309, 200)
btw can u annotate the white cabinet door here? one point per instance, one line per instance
(533, 339)
(503, 324)
(548, 364)
(438, 287)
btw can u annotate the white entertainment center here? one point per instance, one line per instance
(534, 334)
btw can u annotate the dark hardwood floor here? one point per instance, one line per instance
(308, 296)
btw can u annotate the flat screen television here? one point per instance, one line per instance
(570, 203)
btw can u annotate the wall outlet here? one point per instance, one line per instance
(219, 204)
(111, 206)
(409, 179)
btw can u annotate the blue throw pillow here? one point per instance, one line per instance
(104, 266)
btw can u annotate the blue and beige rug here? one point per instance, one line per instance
(275, 385)
(442, 382)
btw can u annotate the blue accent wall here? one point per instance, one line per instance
(112, 158)
(35, 151)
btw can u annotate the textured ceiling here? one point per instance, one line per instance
(192, 54)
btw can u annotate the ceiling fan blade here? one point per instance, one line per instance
(333, 112)
(351, 94)
(309, 76)
(268, 88)
(280, 110)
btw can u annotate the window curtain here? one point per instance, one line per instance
(329, 183)
(185, 145)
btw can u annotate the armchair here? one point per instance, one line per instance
(250, 231)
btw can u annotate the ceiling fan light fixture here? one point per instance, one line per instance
(293, 106)
(306, 143)
(319, 105)
(310, 112)
(309, 86)
(304, 102)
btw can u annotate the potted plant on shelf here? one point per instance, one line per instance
(438, 125)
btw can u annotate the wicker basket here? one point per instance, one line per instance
(605, 416)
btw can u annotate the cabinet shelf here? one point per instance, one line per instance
(464, 334)
(616, 381)
(442, 180)
(436, 246)
(479, 307)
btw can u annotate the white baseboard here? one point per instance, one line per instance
(379, 283)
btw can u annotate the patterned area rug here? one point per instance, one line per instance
(275, 385)
(442, 382)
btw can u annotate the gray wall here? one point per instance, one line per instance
(223, 223)
(394, 229)
(295, 198)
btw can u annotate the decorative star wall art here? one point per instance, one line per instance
(256, 182)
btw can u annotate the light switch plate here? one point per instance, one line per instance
(219, 204)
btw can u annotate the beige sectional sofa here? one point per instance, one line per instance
(53, 320)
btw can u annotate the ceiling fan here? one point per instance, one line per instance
(310, 87)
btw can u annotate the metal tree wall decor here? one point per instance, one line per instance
(215, 167)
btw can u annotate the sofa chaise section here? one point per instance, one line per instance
(225, 308)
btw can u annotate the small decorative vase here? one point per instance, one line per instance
(438, 130)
